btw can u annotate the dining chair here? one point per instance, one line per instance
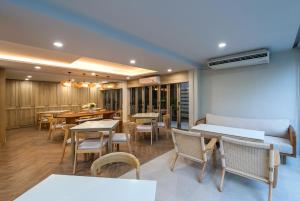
(165, 124)
(142, 128)
(44, 119)
(192, 145)
(56, 124)
(116, 157)
(253, 160)
(90, 145)
(129, 129)
(67, 139)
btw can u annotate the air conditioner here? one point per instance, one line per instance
(150, 80)
(250, 58)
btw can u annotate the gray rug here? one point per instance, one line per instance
(182, 184)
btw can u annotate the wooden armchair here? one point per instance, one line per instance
(117, 157)
(252, 160)
(192, 146)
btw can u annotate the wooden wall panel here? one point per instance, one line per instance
(25, 98)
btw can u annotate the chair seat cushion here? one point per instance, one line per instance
(106, 133)
(120, 137)
(70, 140)
(281, 144)
(160, 124)
(92, 144)
(143, 128)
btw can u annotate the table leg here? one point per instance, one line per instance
(110, 141)
(73, 146)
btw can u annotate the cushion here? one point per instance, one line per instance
(272, 127)
(91, 144)
(281, 144)
(143, 128)
(120, 137)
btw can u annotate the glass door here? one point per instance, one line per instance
(155, 99)
(140, 99)
(173, 105)
(184, 106)
(163, 99)
(146, 99)
(132, 100)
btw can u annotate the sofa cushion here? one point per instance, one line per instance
(272, 127)
(281, 144)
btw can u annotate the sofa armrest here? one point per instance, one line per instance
(292, 137)
(200, 121)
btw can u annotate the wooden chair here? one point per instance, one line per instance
(67, 139)
(143, 128)
(252, 160)
(128, 130)
(88, 145)
(56, 124)
(165, 124)
(117, 157)
(192, 146)
(44, 119)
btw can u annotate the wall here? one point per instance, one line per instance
(263, 91)
(2, 107)
(25, 98)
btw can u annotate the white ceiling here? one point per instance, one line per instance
(158, 34)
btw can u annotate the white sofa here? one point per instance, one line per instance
(277, 131)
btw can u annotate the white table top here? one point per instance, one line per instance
(96, 125)
(79, 188)
(236, 132)
(146, 115)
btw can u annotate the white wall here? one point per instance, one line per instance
(264, 91)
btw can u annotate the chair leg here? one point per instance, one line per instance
(275, 177)
(50, 134)
(222, 180)
(202, 171)
(270, 191)
(75, 163)
(174, 161)
(63, 152)
(129, 146)
(214, 159)
(157, 132)
(151, 138)
(40, 126)
(283, 159)
(168, 134)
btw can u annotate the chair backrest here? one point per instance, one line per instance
(116, 157)
(129, 127)
(248, 159)
(143, 121)
(66, 129)
(189, 144)
(166, 120)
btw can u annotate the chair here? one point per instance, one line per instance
(165, 124)
(118, 115)
(117, 157)
(142, 128)
(88, 145)
(128, 129)
(252, 160)
(67, 139)
(44, 119)
(56, 124)
(192, 146)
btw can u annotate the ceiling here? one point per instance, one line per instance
(159, 35)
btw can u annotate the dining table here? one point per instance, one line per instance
(94, 126)
(79, 188)
(153, 116)
(71, 117)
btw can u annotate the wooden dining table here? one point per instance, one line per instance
(72, 116)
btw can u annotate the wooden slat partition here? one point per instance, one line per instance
(25, 98)
(2, 107)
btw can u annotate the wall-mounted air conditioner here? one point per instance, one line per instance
(150, 80)
(250, 58)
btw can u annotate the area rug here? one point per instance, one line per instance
(182, 184)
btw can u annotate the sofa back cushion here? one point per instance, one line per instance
(272, 127)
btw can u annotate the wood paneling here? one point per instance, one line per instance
(2, 106)
(25, 98)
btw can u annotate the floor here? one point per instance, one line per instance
(182, 184)
(28, 157)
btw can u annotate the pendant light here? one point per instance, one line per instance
(83, 84)
(67, 83)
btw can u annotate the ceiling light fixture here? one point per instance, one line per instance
(37, 67)
(26, 79)
(132, 61)
(222, 45)
(29, 76)
(169, 70)
(58, 44)
(128, 78)
(93, 74)
(83, 84)
(67, 83)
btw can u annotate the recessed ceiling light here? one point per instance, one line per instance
(128, 78)
(29, 76)
(37, 67)
(93, 74)
(132, 61)
(169, 70)
(221, 45)
(26, 79)
(58, 44)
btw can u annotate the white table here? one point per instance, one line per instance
(93, 126)
(79, 188)
(253, 135)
